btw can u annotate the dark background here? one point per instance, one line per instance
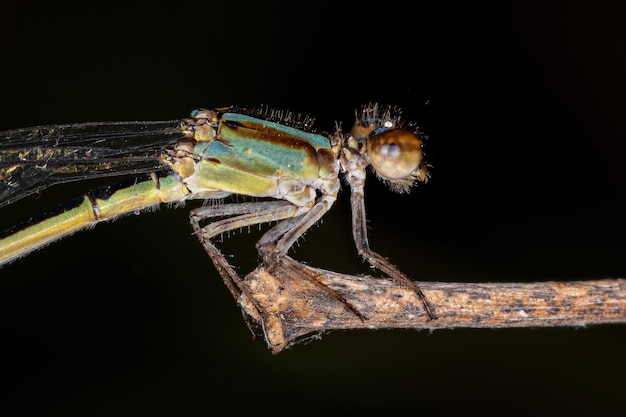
(524, 107)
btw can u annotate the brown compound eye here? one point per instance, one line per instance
(395, 153)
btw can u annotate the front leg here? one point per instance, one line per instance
(359, 232)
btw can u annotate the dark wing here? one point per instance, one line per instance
(36, 158)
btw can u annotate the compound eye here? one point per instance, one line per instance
(395, 153)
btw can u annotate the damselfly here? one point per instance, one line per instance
(274, 156)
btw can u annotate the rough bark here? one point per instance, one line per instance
(293, 301)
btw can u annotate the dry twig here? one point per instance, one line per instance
(290, 305)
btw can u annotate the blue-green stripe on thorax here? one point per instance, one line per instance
(265, 148)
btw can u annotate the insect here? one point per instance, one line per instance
(293, 172)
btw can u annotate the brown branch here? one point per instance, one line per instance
(291, 305)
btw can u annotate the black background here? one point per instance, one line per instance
(524, 107)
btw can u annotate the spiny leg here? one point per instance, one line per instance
(245, 214)
(274, 259)
(272, 246)
(275, 243)
(278, 240)
(359, 231)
